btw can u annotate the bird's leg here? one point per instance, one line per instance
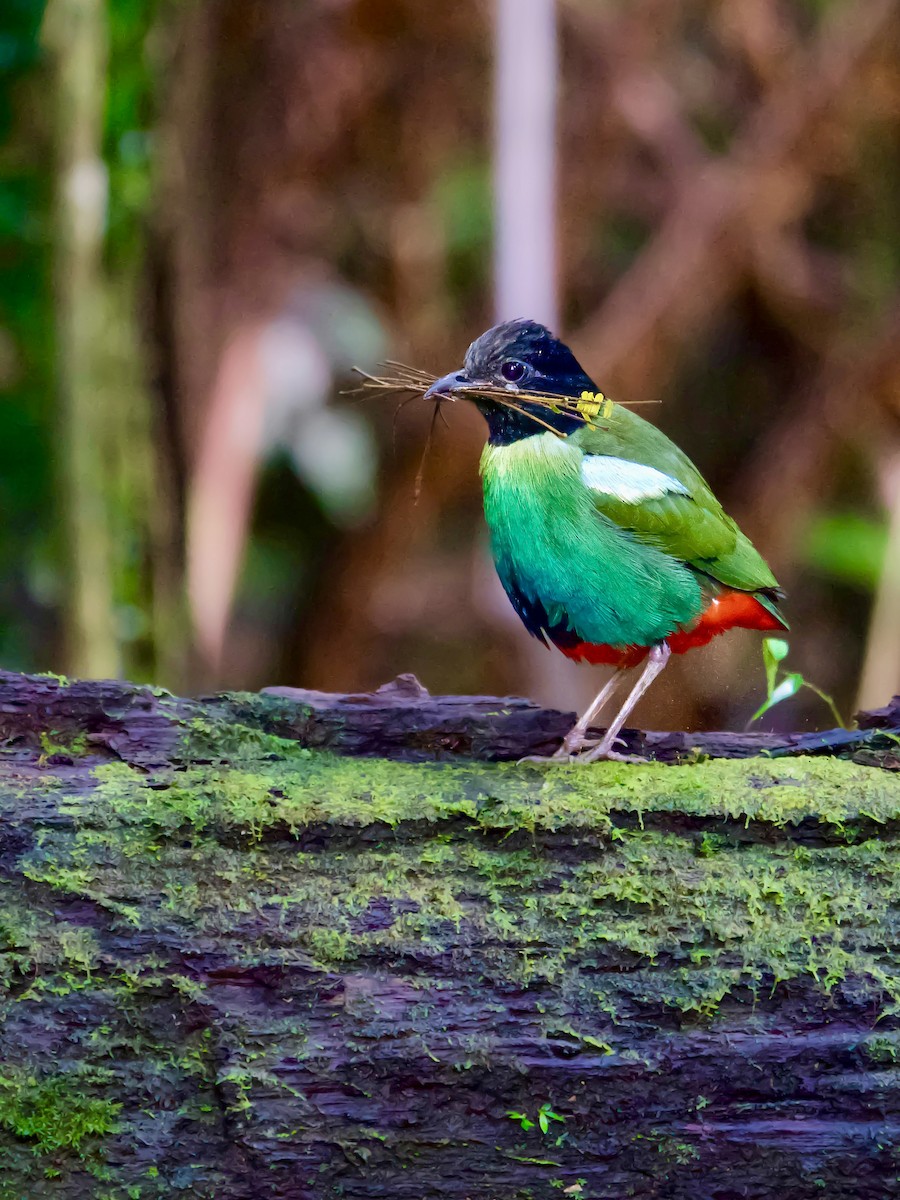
(658, 658)
(575, 739)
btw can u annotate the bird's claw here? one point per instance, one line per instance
(573, 747)
(604, 750)
(615, 756)
(569, 752)
(587, 751)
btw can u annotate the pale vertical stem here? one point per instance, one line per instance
(221, 493)
(525, 160)
(525, 256)
(881, 667)
(77, 33)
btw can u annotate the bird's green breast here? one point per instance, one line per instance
(554, 549)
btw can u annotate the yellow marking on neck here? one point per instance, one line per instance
(594, 404)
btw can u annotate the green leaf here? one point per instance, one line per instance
(546, 1115)
(596, 1042)
(789, 686)
(535, 1162)
(775, 651)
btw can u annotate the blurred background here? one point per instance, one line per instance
(211, 209)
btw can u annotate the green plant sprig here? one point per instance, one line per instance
(782, 685)
(545, 1115)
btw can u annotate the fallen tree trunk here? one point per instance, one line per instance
(240, 959)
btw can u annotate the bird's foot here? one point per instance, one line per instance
(616, 756)
(573, 744)
(605, 750)
(580, 749)
(567, 753)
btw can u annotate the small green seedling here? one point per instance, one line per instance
(774, 652)
(545, 1115)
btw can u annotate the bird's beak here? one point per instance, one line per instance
(447, 386)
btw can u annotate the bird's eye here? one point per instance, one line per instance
(512, 370)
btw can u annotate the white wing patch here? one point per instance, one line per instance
(628, 481)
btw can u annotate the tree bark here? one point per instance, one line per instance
(297, 945)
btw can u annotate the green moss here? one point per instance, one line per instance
(299, 788)
(51, 747)
(882, 1049)
(53, 1113)
(41, 949)
(591, 894)
(674, 1150)
(232, 741)
(464, 856)
(328, 946)
(424, 858)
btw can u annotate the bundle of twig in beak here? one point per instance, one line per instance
(403, 379)
(586, 407)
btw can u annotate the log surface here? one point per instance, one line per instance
(301, 946)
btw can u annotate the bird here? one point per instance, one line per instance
(607, 540)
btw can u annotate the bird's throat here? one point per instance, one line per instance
(509, 425)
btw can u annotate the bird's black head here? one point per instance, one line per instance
(517, 357)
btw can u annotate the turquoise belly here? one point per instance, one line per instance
(562, 562)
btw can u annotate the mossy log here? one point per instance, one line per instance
(241, 956)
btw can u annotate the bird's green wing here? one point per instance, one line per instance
(642, 482)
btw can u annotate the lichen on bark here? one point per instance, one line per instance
(232, 965)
